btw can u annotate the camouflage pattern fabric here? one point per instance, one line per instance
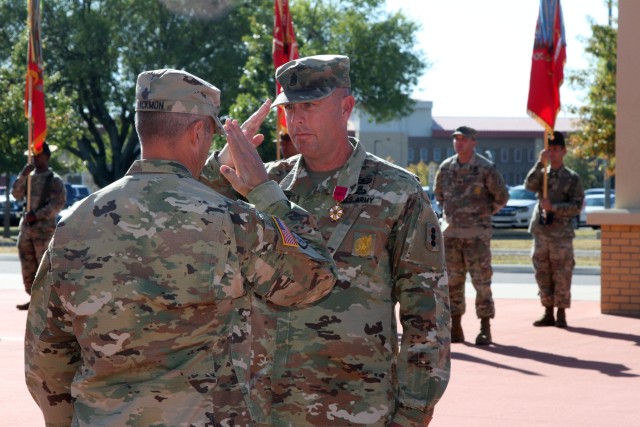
(339, 363)
(469, 194)
(553, 262)
(474, 256)
(140, 294)
(46, 204)
(552, 252)
(311, 78)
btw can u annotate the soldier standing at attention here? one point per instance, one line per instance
(48, 197)
(136, 304)
(339, 363)
(552, 229)
(470, 189)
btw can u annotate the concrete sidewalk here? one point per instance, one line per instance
(585, 375)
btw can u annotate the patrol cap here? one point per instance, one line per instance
(176, 91)
(558, 139)
(311, 78)
(465, 131)
(46, 149)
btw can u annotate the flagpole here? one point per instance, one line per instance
(545, 178)
(30, 100)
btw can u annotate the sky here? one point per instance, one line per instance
(480, 51)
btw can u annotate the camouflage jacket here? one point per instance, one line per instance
(338, 362)
(136, 301)
(565, 191)
(45, 206)
(469, 194)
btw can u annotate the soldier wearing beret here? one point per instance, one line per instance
(47, 199)
(470, 189)
(339, 363)
(142, 289)
(552, 229)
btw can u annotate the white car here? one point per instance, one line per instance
(592, 203)
(519, 209)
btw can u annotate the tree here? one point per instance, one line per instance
(93, 56)
(596, 133)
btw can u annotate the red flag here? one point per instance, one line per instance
(547, 65)
(285, 49)
(34, 92)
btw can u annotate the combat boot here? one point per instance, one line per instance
(484, 337)
(561, 318)
(547, 319)
(457, 334)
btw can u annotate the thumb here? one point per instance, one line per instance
(236, 182)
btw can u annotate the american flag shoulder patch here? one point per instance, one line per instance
(288, 238)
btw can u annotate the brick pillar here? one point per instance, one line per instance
(620, 291)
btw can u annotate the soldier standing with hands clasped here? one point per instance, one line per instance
(470, 189)
(552, 229)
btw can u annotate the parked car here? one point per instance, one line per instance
(592, 203)
(519, 209)
(434, 203)
(15, 208)
(75, 192)
(597, 191)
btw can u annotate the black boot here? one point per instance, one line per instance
(457, 334)
(561, 318)
(24, 306)
(484, 337)
(547, 319)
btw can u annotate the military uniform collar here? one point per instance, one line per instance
(347, 176)
(471, 162)
(159, 166)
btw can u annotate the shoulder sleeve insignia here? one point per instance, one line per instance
(288, 238)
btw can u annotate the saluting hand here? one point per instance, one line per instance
(250, 128)
(249, 170)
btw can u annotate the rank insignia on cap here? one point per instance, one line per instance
(288, 238)
(293, 80)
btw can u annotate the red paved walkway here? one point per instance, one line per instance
(586, 375)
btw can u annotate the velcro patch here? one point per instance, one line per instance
(288, 238)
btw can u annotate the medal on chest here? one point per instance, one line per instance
(339, 194)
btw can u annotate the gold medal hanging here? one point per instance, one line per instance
(339, 194)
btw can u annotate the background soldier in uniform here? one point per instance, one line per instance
(136, 303)
(552, 230)
(48, 197)
(470, 189)
(338, 362)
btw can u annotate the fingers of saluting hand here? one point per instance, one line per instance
(252, 124)
(249, 168)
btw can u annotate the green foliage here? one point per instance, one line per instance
(94, 50)
(424, 171)
(597, 132)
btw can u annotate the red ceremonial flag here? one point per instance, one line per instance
(547, 65)
(34, 92)
(285, 49)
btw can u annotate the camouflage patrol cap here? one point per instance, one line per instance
(311, 78)
(176, 91)
(465, 131)
(557, 139)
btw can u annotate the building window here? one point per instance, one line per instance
(504, 155)
(450, 152)
(410, 156)
(517, 155)
(437, 154)
(531, 155)
(423, 155)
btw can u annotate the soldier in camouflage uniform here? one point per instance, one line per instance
(470, 189)
(339, 362)
(140, 292)
(48, 197)
(552, 229)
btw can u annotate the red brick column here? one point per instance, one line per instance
(620, 273)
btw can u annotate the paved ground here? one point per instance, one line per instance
(585, 375)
